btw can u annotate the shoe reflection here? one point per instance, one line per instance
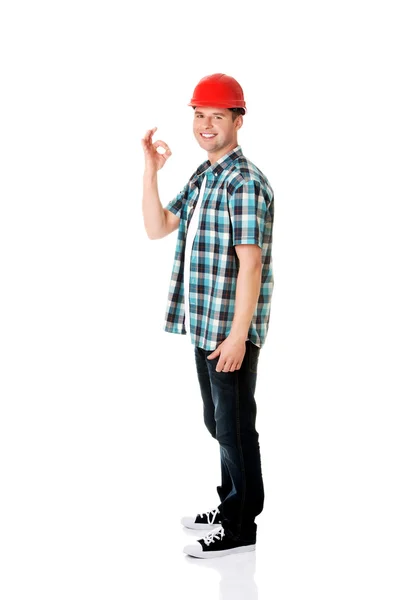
(237, 574)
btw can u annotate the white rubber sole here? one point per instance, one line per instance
(197, 551)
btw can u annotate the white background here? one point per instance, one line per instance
(102, 443)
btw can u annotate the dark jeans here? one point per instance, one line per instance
(230, 416)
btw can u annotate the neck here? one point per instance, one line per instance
(213, 157)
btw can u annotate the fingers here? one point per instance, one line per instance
(161, 144)
(147, 143)
(149, 133)
(228, 368)
(146, 139)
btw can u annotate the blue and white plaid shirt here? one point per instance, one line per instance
(237, 208)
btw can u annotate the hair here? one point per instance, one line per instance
(235, 112)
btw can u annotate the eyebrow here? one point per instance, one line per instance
(214, 113)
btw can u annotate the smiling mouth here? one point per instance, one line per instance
(208, 136)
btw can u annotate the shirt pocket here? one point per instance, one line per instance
(217, 216)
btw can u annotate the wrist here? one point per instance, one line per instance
(238, 336)
(150, 174)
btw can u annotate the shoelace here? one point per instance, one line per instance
(211, 512)
(213, 536)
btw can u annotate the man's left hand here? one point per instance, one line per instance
(231, 353)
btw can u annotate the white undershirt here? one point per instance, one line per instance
(191, 234)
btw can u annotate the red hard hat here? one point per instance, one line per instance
(218, 90)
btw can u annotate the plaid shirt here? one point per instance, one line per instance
(237, 208)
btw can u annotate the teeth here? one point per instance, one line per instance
(208, 134)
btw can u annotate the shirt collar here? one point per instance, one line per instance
(221, 164)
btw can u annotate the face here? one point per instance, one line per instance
(217, 121)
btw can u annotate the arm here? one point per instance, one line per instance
(153, 212)
(247, 289)
(158, 221)
(232, 350)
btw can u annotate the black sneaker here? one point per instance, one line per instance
(216, 543)
(203, 520)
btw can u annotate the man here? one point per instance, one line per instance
(220, 294)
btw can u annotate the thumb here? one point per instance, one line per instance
(216, 352)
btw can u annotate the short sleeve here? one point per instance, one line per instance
(248, 213)
(175, 205)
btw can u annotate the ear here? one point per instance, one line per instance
(239, 122)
